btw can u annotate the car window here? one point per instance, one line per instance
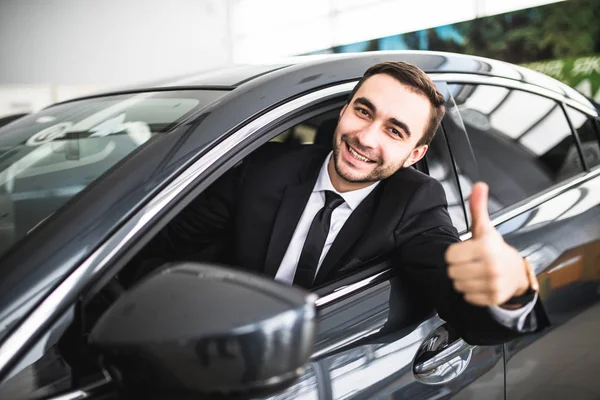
(586, 128)
(522, 142)
(48, 157)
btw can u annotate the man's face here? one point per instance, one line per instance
(378, 130)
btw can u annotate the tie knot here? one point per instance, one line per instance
(332, 200)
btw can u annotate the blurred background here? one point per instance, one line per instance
(54, 50)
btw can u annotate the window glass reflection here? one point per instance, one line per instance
(522, 142)
(483, 101)
(46, 158)
(543, 137)
(518, 112)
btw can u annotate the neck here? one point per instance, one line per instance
(340, 184)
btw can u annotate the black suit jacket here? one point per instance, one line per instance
(247, 218)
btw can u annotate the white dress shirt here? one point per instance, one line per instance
(352, 199)
(316, 201)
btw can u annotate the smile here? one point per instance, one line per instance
(355, 154)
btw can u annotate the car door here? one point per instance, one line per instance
(542, 168)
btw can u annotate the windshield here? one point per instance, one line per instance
(48, 157)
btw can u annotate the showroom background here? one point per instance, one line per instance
(53, 50)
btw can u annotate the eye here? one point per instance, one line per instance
(396, 132)
(363, 111)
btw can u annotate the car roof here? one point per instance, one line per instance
(431, 62)
(351, 66)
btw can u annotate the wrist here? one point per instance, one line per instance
(531, 282)
(526, 290)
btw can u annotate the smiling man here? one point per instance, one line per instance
(374, 136)
(307, 215)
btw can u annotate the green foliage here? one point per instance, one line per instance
(557, 30)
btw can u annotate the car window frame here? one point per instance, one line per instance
(595, 118)
(562, 101)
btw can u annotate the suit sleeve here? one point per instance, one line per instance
(424, 235)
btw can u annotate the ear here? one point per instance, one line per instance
(415, 155)
(343, 109)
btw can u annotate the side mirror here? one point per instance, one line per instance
(199, 330)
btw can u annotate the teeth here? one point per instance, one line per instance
(357, 156)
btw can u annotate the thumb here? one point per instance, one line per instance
(480, 219)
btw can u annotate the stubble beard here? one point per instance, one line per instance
(378, 173)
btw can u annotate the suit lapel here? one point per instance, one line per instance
(352, 230)
(290, 210)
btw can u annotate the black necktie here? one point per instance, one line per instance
(315, 241)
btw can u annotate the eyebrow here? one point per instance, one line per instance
(367, 103)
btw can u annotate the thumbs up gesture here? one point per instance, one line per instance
(485, 268)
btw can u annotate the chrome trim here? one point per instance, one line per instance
(344, 290)
(467, 235)
(347, 340)
(92, 390)
(62, 296)
(443, 357)
(451, 78)
(539, 200)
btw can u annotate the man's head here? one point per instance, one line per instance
(388, 123)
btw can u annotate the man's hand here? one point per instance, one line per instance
(485, 269)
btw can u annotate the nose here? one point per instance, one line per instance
(368, 136)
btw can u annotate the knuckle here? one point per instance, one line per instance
(477, 300)
(457, 285)
(452, 273)
(493, 272)
(494, 286)
(486, 253)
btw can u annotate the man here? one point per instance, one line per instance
(307, 216)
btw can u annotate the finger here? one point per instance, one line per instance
(463, 252)
(468, 271)
(478, 203)
(472, 286)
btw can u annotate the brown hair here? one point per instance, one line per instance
(418, 80)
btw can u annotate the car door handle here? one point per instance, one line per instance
(430, 360)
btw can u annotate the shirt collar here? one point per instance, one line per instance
(352, 198)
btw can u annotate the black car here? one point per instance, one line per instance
(86, 184)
